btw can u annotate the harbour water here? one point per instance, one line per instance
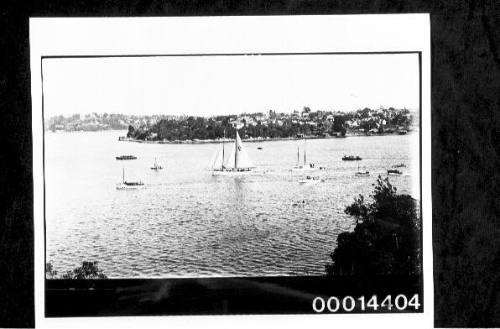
(187, 223)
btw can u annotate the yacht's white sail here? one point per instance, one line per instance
(242, 160)
(217, 160)
(229, 160)
(156, 166)
(238, 157)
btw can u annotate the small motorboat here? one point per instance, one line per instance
(399, 165)
(310, 180)
(394, 172)
(126, 157)
(259, 148)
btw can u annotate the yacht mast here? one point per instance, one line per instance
(222, 163)
(304, 151)
(236, 150)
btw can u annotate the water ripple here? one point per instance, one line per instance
(188, 223)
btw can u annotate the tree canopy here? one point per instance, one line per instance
(386, 239)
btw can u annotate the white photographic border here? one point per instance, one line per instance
(243, 34)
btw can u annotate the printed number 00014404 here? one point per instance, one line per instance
(349, 304)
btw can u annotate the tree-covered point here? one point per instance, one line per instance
(210, 128)
(386, 239)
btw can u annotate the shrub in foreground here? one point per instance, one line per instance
(386, 239)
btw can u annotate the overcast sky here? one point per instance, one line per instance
(207, 86)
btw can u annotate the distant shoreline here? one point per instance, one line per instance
(218, 141)
(253, 140)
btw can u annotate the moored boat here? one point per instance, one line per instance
(394, 172)
(124, 185)
(362, 173)
(304, 166)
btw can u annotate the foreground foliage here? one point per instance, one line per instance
(386, 239)
(88, 270)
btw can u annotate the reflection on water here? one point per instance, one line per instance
(186, 222)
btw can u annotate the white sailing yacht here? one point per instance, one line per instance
(156, 166)
(233, 162)
(304, 166)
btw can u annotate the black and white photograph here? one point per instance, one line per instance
(232, 180)
(237, 165)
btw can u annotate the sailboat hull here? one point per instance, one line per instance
(124, 185)
(128, 187)
(231, 172)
